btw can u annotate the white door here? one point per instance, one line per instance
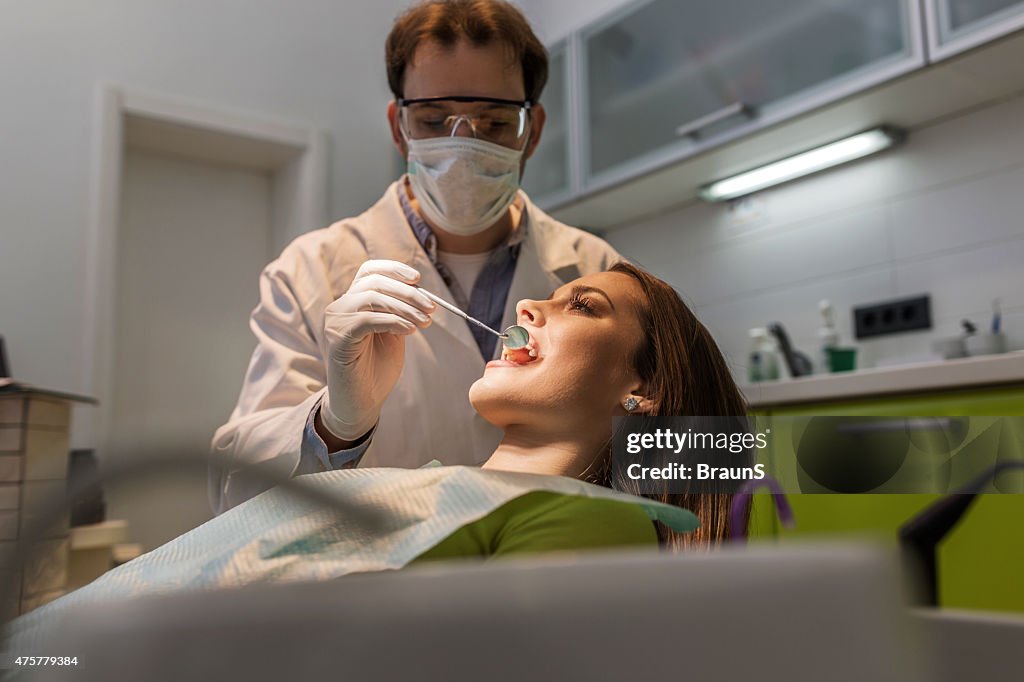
(192, 239)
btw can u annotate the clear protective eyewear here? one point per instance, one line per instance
(501, 121)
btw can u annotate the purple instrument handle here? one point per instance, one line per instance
(737, 529)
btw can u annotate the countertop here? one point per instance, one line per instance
(12, 387)
(986, 370)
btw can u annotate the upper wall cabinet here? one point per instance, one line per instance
(663, 96)
(663, 79)
(547, 177)
(957, 25)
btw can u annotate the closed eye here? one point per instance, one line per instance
(577, 301)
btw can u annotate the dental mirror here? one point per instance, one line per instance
(512, 338)
(515, 337)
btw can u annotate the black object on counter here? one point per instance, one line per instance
(798, 364)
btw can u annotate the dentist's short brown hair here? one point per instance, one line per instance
(479, 22)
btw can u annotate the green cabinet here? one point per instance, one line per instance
(981, 562)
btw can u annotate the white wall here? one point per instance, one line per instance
(311, 62)
(553, 20)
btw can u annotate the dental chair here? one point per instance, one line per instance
(827, 612)
(966, 644)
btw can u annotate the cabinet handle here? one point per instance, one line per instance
(734, 109)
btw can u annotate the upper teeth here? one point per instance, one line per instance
(508, 355)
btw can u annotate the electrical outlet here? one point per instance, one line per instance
(892, 317)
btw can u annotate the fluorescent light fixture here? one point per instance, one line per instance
(805, 163)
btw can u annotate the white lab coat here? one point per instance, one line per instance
(427, 415)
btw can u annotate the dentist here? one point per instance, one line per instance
(350, 366)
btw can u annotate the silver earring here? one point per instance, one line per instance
(631, 404)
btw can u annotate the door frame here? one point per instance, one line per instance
(296, 157)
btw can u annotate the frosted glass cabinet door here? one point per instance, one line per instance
(664, 78)
(955, 25)
(546, 178)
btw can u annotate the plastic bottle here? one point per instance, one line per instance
(763, 364)
(828, 337)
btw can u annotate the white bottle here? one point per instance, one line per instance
(828, 337)
(763, 364)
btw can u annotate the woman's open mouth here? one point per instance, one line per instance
(521, 356)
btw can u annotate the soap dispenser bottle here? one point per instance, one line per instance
(763, 364)
(828, 337)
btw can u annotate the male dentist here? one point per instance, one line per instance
(352, 365)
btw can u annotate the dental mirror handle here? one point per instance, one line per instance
(449, 307)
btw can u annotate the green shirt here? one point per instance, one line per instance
(544, 521)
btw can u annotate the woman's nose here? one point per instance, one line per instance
(529, 311)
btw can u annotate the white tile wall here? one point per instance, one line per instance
(990, 208)
(943, 214)
(787, 255)
(965, 281)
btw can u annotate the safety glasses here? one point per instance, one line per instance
(500, 121)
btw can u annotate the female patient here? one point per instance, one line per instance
(611, 344)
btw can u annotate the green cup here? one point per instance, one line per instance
(842, 359)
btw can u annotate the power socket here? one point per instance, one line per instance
(892, 317)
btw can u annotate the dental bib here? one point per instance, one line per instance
(281, 537)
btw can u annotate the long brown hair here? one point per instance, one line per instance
(684, 374)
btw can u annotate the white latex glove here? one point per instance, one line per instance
(364, 331)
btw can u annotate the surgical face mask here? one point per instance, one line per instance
(463, 185)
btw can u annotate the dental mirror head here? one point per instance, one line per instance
(515, 337)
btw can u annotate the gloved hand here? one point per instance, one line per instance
(364, 332)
